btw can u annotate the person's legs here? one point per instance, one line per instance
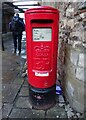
(19, 42)
(15, 42)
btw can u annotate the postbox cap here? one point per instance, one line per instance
(42, 9)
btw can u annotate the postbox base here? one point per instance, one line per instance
(42, 98)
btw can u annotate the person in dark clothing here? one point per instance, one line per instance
(17, 27)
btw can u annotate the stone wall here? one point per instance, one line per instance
(7, 14)
(73, 39)
(0, 23)
(72, 47)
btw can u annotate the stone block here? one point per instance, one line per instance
(79, 47)
(70, 89)
(74, 57)
(74, 81)
(75, 104)
(70, 68)
(69, 98)
(82, 5)
(83, 15)
(70, 12)
(65, 22)
(79, 95)
(74, 90)
(70, 23)
(82, 60)
(79, 35)
(78, 106)
(80, 72)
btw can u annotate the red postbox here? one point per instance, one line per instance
(42, 45)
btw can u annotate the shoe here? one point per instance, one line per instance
(15, 51)
(19, 53)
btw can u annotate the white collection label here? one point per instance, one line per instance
(42, 34)
(41, 74)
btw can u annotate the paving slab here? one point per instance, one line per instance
(25, 82)
(22, 102)
(11, 66)
(38, 114)
(27, 113)
(56, 112)
(11, 60)
(6, 110)
(18, 80)
(8, 76)
(21, 113)
(24, 92)
(9, 92)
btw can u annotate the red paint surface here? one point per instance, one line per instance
(42, 55)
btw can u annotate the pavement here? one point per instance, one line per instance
(15, 91)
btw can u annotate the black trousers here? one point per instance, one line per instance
(17, 37)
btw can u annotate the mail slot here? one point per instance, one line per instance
(42, 24)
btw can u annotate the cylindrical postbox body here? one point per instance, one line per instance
(42, 44)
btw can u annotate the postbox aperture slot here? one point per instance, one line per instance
(42, 21)
(42, 34)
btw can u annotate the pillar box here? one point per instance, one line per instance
(42, 47)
